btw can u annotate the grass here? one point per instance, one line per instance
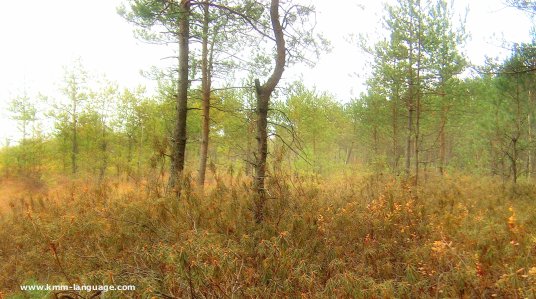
(347, 237)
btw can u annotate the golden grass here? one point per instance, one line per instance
(348, 237)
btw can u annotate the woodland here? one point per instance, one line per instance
(227, 183)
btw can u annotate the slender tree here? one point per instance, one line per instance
(23, 110)
(75, 90)
(178, 141)
(264, 92)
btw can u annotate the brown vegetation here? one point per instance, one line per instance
(367, 237)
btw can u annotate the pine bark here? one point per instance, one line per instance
(178, 148)
(205, 97)
(264, 93)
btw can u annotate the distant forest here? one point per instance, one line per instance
(427, 110)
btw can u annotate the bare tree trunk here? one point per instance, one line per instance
(349, 154)
(395, 133)
(418, 100)
(515, 138)
(529, 153)
(140, 148)
(179, 135)
(249, 146)
(104, 150)
(417, 139)
(529, 125)
(264, 93)
(65, 152)
(376, 147)
(411, 108)
(513, 160)
(23, 159)
(442, 138)
(205, 97)
(263, 101)
(129, 155)
(409, 139)
(74, 151)
(442, 150)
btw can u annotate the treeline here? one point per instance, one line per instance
(486, 129)
(427, 110)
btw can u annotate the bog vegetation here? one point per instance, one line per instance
(240, 186)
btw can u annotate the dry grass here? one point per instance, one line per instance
(346, 237)
(14, 189)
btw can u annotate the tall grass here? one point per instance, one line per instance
(348, 237)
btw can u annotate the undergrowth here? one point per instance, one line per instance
(367, 237)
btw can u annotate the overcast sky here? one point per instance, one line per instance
(39, 37)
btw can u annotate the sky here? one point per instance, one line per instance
(38, 38)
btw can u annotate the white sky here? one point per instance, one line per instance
(38, 37)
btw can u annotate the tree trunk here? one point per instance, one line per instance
(395, 132)
(529, 125)
(64, 152)
(376, 141)
(74, 151)
(262, 151)
(408, 141)
(442, 141)
(179, 135)
(411, 108)
(140, 148)
(264, 93)
(513, 158)
(418, 99)
(249, 146)
(104, 150)
(349, 154)
(205, 97)
(23, 160)
(529, 152)
(129, 155)
(417, 139)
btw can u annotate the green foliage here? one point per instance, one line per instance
(28, 156)
(315, 128)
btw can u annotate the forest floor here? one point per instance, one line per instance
(372, 236)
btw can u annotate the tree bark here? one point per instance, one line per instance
(513, 159)
(349, 153)
(179, 135)
(74, 151)
(129, 155)
(529, 125)
(249, 145)
(140, 148)
(264, 93)
(529, 152)
(206, 65)
(104, 151)
(417, 135)
(410, 105)
(418, 98)
(442, 141)
(263, 100)
(394, 119)
(408, 140)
